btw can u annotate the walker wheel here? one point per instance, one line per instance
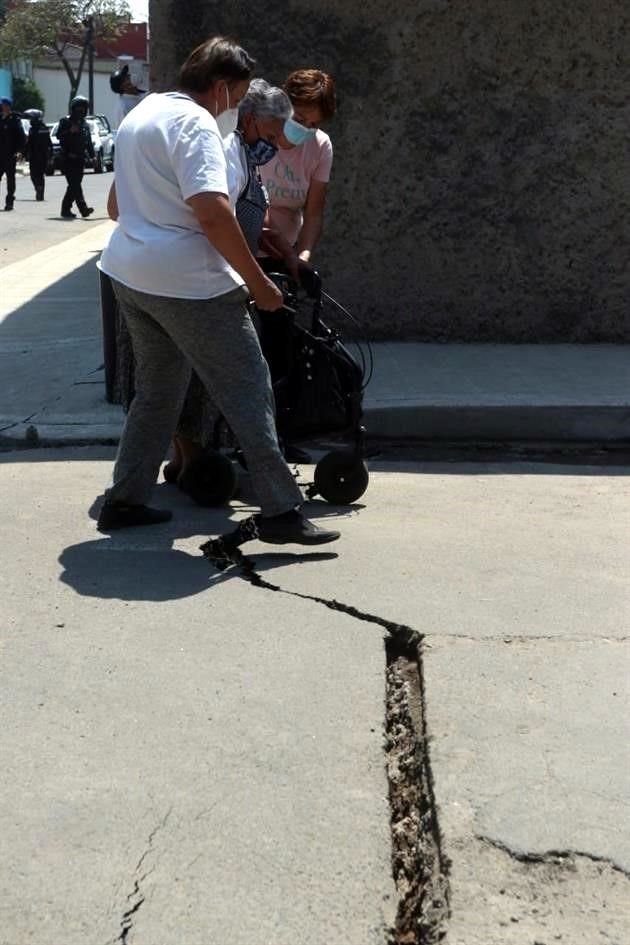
(210, 480)
(341, 478)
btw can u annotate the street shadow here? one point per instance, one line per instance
(143, 564)
(106, 570)
(114, 568)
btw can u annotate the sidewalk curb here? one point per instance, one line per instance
(452, 426)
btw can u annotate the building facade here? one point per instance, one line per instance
(480, 187)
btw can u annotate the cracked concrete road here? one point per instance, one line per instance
(188, 758)
(183, 762)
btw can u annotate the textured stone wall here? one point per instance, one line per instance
(481, 179)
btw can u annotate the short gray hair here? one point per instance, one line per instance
(265, 101)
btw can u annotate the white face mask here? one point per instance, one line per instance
(227, 120)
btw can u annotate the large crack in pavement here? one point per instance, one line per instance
(419, 867)
(406, 636)
(421, 870)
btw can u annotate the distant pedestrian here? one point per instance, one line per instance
(12, 143)
(38, 150)
(75, 141)
(127, 91)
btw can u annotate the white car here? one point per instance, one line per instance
(103, 139)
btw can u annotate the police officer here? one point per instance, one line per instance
(38, 150)
(12, 143)
(75, 141)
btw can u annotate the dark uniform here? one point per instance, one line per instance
(38, 151)
(12, 143)
(75, 141)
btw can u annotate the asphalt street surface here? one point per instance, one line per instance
(32, 226)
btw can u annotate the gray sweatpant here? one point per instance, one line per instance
(217, 337)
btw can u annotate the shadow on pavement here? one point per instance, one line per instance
(105, 570)
(109, 569)
(142, 564)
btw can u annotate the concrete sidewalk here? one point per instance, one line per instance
(51, 359)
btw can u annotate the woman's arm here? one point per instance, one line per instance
(217, 220)
(112, 203)
(313, 219)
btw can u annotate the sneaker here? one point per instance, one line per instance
(292, 528)
(87, 212)
(68, 216)
(117, 515)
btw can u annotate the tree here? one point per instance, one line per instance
(33, 27)
(26, 95)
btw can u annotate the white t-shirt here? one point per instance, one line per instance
(127, 102)
(287, 179)
(167, 150)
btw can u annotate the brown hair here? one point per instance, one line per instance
(312, 87)
(217, 58)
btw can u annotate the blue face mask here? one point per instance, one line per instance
(296, 133)
(261, 151)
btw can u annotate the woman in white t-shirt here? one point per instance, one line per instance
(262, 114)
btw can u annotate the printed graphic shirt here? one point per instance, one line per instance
(288, 177)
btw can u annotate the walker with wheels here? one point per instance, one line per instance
(319, 395)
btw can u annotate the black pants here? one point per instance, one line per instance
(7, 166)
(38, 171)
(73, 171)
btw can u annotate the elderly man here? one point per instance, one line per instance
(182, 273)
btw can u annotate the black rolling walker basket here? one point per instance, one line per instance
(318, 396)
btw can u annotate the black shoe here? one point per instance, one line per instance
(39, 195)
(87, 212)
(293, 454)
(8, 206)
(116, 515)
(68, 215)
(292, 528)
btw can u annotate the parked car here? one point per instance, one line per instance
(103, 140)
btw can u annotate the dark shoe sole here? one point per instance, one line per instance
(321, 538)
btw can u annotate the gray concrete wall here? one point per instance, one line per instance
(480, 187)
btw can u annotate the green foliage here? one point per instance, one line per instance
(33, 28)
(27, 95)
